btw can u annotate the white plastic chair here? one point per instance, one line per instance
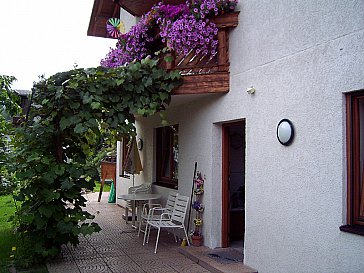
(143, 188)
(177, 219)
(156, 210)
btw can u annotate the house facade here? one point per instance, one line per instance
(293, 208)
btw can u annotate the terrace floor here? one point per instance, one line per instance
(117, 248)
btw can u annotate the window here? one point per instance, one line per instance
(167, 156)
(355, 163)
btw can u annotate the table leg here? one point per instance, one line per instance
(133, 213)
(101, 188)
(139, 212)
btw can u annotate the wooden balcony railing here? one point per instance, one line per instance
(202, 74)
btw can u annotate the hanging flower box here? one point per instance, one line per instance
(197, 34)
(200, 73)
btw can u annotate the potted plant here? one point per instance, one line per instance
(196, 238)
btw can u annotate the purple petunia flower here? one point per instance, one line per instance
(178, 27)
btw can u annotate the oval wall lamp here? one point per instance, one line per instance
(285, 132)
(140, 144)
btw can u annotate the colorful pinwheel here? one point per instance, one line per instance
(115, 27)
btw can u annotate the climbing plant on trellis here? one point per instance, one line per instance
(72, 115)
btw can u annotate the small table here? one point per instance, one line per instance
(138, 197)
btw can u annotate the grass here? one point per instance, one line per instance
(8, 239)
(107, 187)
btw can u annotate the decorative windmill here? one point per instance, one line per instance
(115, 27)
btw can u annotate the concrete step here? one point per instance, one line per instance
(205, 257)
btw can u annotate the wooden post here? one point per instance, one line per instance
(222, 58)
(171, 65)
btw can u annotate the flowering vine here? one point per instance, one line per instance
(182, 28)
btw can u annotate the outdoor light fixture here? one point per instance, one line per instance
(140, 144)
(285, 132)
(251, 90)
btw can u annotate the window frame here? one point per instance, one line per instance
(161, 134)
(355, 178)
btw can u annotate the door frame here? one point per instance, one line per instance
(225, 217)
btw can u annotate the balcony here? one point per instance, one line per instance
(201, 75)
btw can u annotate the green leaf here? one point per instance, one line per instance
(47, 211)
(79, 129)
(64, 227)
(64, 123)
(49, 195)
(66, 184)
(74, 104)
(40, 221)
(95, 105)
(163, 96)
(168, 59)
(119, 82)
(87, 98)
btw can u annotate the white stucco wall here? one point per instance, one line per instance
(301, 56)
(127, 19)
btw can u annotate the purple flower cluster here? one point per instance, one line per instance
(133, 45)
(210, 8)
(115, 58)
(188, 33)
(171, 12)
(183, 27)
(196, 205)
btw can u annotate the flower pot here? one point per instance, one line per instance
(196, 240)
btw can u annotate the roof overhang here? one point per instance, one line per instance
(102, 11)
(139, 7)
(105, 9)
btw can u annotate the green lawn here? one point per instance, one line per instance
(98, 185)
(8, 239)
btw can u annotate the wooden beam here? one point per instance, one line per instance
(227, 20)
(213, 83)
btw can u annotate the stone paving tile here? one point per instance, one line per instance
(83, 252)
(118, 249)
(92, 264)
(141, 257)
(110, 251)
(178, 261)
(189, 268)
(157, 268)
(121, 264)
(63, 268)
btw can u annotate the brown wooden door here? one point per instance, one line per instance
(228, 232)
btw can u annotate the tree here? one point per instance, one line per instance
(8, 107)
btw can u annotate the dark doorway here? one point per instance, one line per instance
(233, 184)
